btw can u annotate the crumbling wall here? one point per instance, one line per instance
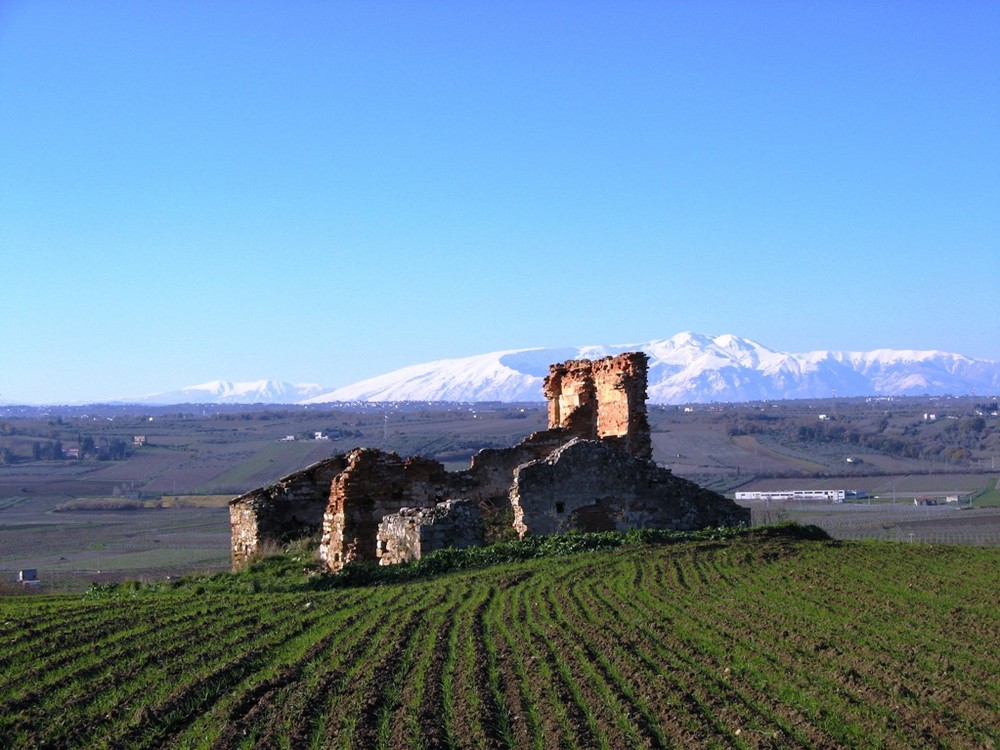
(289, 508)
(413, 532)
(374, 484)
(591, 470)
(589, 485)
(620, 384)
(602, 400)
(489, 476)
(569, 389)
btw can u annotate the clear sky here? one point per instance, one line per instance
(326, 191)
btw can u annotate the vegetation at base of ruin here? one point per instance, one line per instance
(498, 524)
(536, 547)
(760, 639)
(295, 567)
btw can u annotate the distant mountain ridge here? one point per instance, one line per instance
(227, 392)
(690, 368)
(686, 368)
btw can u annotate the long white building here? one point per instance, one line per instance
(833, 496)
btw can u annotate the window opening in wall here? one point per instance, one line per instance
(560, 507)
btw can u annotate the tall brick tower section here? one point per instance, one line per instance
(603, 400)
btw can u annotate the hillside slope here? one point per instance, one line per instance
(760, 641)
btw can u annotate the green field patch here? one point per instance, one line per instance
(990, 497)
(791, 458)
(269, 464)
(165, 558)
(194, 501)
(759, 639)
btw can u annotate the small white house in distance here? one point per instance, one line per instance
(28, 577)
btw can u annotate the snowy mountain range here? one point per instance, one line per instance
(687, 368)
(226, 392)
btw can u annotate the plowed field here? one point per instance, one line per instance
(753, 642)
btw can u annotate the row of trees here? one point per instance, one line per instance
(104, 449)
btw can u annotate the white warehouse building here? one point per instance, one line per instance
(833, 496)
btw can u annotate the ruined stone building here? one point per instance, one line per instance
(602, 400)
(290, 508)
(591, 470)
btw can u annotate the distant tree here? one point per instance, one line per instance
(119, 449)
(48, 451)
(975, 424)
(115, 449)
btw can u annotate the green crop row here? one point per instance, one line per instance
(759, 639)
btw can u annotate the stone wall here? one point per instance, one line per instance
(290, 508)
(489, 476)
(589, 485)
(591, 470)
(620, 383)
(413, 532)
(569, 389)
(374, 484)
(602, 400)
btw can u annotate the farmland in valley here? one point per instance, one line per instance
(129, 509)
(760, 639)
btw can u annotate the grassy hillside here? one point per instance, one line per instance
(763, 639)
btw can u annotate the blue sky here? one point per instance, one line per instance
(325, 191)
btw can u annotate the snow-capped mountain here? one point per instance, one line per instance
(686, 368)
(689, 368)
(226, 392)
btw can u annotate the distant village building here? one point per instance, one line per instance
(28, 577)
(138, 440)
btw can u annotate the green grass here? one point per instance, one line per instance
(773, 637)
(990, 498)
(267, 464)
